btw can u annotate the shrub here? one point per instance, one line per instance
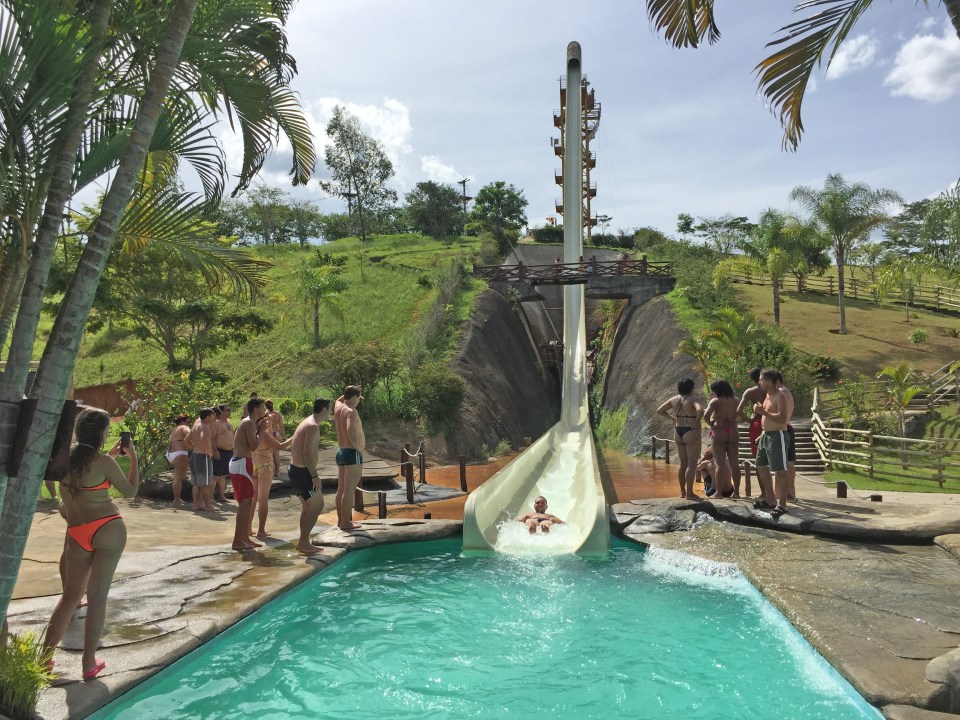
(489, 253)
(610, 429)
(918, 335)
(363, 364)
(548, 234)
(502, 448)
(951, 332)
(23, 674)
(288, 407)
(156, 404)
(437, 395)
(825, 367)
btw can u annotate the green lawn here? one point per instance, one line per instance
(382, 303)
(861, 481)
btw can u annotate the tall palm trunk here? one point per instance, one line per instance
(841, 256)
(60, 353)
(953, 10)
(776, 300)
(14, 379)
(11, 280)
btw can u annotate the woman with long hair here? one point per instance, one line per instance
(687, 413)
(177, 454)
(721, 416)
(96, 532)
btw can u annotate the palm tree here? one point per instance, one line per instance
(700, 348)
(904, 383)
(770, 246)
(321, 286)
(735, 332)
(847, 213)
(784, 76)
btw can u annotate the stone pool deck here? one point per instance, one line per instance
(873, 586)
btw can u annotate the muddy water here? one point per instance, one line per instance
(631, 477)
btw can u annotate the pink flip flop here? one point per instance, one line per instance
(91, 674)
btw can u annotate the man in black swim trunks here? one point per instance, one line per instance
(303, 475)
(539, 517)
(349, 455)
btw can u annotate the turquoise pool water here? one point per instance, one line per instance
(417, 631)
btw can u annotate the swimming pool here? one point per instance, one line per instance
(417, 631)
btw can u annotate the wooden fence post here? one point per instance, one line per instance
(463, 473)
(831, 284)
(870, 452)
(666, 448)
(841, 489)
(941, 450)
(643, 264)
(747, 489)
(382, 505)
(653, 447)
(409, 473)
(358, 500)
(423, 465)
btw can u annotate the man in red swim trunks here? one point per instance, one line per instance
(245, 441)
(750, 398)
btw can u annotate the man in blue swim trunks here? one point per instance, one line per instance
(351, 444)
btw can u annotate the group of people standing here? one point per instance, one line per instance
(212, 450)
(768, 407)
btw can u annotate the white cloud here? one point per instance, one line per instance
(856, 53)
(389, 123)
(438, 171)
(927, 67)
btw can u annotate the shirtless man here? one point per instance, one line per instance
(201, 461)
(791, 447)
(539, 517)
(750, 398)
(775, 412)
(302, 472)
(223, 441)
(246, 439)
(351, 444)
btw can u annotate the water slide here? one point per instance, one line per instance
(562, 464)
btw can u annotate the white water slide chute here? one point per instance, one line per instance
(561, 465)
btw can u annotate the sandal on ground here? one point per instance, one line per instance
(761, 504)
(91, 674)
(778, 511)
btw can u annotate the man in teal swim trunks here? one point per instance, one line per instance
(351, 444)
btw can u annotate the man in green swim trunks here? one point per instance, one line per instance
(351, 444)
(775, 412)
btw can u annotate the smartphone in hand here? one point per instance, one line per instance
(124, 442)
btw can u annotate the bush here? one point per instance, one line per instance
(288, 407)
(23, 674)
(437, 395)
(502, 448)
(918, 335)
(610, 430)
(825, 367)
(548, 234)
(363, 364)
(156, 404)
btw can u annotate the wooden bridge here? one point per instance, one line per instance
(576, 273)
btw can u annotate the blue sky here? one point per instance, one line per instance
(455, 89)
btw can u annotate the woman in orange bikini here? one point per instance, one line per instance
(96, 531)
(687, 413)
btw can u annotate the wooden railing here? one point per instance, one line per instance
(575, 272)
(862, 450)
(943, 388)
(938, 297)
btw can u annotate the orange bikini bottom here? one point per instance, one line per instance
(84, 532)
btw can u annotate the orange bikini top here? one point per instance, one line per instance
(102, 486)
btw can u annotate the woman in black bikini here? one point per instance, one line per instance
(686, 413)
(721, 416)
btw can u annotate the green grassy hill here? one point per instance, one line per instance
(390, 284)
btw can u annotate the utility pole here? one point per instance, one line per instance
(466, 198)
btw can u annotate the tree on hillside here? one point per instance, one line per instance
(902, 233)
(903, 383)
(434, 209)
(870, 255)
(725, 233)
(249, 73)
(847, 214)
(499, 209)
(940, 232)
(735, 332)
(306, 221)
(685, 225)
(320, 283)
(649, 238)
(701, 348)
(359, 169)
(784, 76)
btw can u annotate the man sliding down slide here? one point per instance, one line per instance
(540, 517)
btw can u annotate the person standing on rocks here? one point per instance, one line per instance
(246, 440)
(264, 469)
(750, 398)
(177, 454)
(721, 416)
(201, 460)
(775, 412)
(686, 414)
(352, 443)
(791, 447)
(303, 473)
(279, 434)
(223, 441)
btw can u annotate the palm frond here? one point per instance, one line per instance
(684, 23)
(783, 77)
(177, 222)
